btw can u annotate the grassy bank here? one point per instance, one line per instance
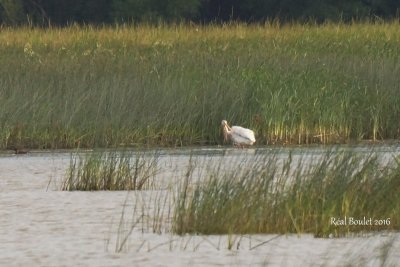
(339, 193)
(172, 85)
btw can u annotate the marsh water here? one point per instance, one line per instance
(40, 225)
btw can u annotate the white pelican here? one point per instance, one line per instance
(238, 135)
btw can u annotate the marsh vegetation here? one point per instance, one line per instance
(138, 222)
(254, 194)
(308, 195)
(110, 171)
(172, 85)
(156, 86)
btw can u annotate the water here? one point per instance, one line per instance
(43, 226)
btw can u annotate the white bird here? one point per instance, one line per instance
(238, 135)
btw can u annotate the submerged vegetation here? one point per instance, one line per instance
(172, 85)
(340, 193)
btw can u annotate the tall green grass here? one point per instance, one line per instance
(172, 85)
(324, 194)
(110, 171)
(266, 195)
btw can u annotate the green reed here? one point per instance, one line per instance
(267, 195)
(172, 85)
(110, 171)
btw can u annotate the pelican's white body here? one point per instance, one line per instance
(238, 135)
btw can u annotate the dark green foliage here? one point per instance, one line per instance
(67, 12)
(12, 12)
(154, 10)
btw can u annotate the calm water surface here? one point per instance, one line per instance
(43, 226)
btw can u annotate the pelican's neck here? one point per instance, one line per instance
(227, 129)
(227, 132)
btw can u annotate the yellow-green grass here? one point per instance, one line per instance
(332, 193)
(110, 171)
(338, 194)
(172, 85)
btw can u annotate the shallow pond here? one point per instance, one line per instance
(43, 226)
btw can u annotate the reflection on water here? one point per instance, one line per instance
(43, 226)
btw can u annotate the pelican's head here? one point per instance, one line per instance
(224, 122)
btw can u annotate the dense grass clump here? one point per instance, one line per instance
(110, 171)
(268, 196)
(172, 85)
